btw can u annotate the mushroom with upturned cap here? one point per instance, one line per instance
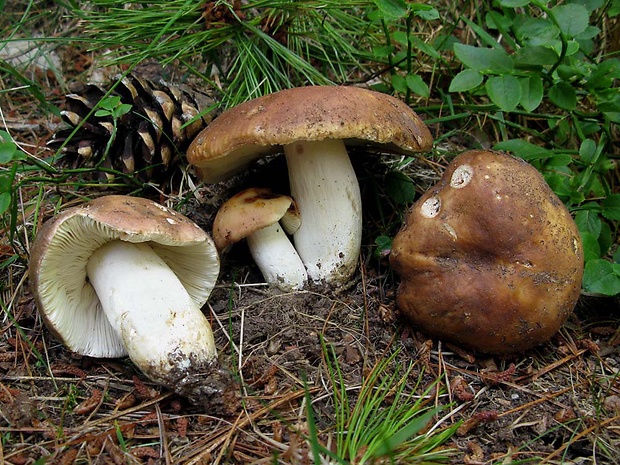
(121, 276)
(263, 218)
(312, 125)
(489, 258)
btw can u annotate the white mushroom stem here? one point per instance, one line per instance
(276, 258)
(325, 187)
(165, 333)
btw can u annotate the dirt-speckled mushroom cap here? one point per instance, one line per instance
(489, 258)
(261, 126)
(248, 211)
(68, 303)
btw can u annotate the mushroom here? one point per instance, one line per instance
(312, 125)
(489, 258)
(255, 215)
(124, 276)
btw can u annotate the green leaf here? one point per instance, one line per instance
(5, 201)
(591, 246)
(563, 95)
(514, 3)
(7, 151)
(384, 245)
(399, 187)
(540, 31)
(524, 149)
(600, 277)
(485, 60)
(424, 47)
(426, 12)
(535, 55)
(572, 18)
(611, 207)
(588, 221)
(587, 151)
(392, 9)
(399, 84)
(467, 79)
(416, 84)
(531, 92)
(504, 91)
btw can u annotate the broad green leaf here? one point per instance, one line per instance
(467, 79)
(424, 47)
(572, 18)
(399, 84)
(399, 187)
(426, 12)
(392, 9)
(524, 149)
(588, 222)
(600, 277)
(535, 55)
(611, 207)
(587, 151)
(563, 95)
(7, 151)
(591, 246)
(384, 245)
(486, 60)
(504, 91)
(416, 84)
(514, 3)
(606, 238)
(540, 29)
(531, 92)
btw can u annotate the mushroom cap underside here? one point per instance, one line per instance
(68, 303)
(261, 126)
(489, 257)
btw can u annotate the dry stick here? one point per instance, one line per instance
(223, 435)
(580, 435)
(540, 400)
(554, 365)
(163, 436)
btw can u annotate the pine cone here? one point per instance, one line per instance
(150, 138)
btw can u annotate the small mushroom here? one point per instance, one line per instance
(124, 276)
(261, 218)
(312, 125)
(489, 258)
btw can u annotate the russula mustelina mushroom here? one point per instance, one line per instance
(121, 276)
(489, 258)
(263, 218)
(312, 125)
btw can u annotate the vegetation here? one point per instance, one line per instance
(533, 77)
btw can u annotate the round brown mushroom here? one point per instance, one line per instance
(489, 258)
(121, 276)
(312, 125)
(263, 219)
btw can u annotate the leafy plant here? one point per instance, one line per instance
(545, 64)
(9, 155)
(402, 43)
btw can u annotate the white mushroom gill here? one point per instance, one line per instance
(163, 329)
(276, 258)
(325, 187)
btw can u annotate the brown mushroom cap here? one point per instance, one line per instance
(57, 269)
(261, 126)
(247, 212)
(489, 257)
